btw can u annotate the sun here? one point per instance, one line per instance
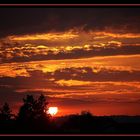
(53, 110)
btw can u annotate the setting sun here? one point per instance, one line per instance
(53, 110)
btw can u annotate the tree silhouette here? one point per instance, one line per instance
(86, 114)
(5, 113)
(26, 110)
(33, 118)
(33, 113)
(40, 107)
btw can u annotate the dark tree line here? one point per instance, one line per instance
(32, 109)
(5, 113)
(33, 118)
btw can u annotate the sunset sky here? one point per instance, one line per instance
(79, 58)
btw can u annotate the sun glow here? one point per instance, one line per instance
(53, 110)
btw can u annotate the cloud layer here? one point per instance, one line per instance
(79, 58)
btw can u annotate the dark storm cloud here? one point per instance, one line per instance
(18, 20)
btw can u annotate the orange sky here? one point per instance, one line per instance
(77, 69)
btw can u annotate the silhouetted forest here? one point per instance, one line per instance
(32, 118)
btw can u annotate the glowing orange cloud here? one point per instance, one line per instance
(79, 36)
(47, 36)
(117, 63)
(99, 35)
(72, 83)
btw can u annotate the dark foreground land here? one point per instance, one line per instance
(75, 124)
(33, 119)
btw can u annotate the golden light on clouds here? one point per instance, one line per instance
(118, 63)
(72, 83)
(77, 78)
(115, 35)
(76, 38)
(47, 36)
(78, 58)
(69, 44)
